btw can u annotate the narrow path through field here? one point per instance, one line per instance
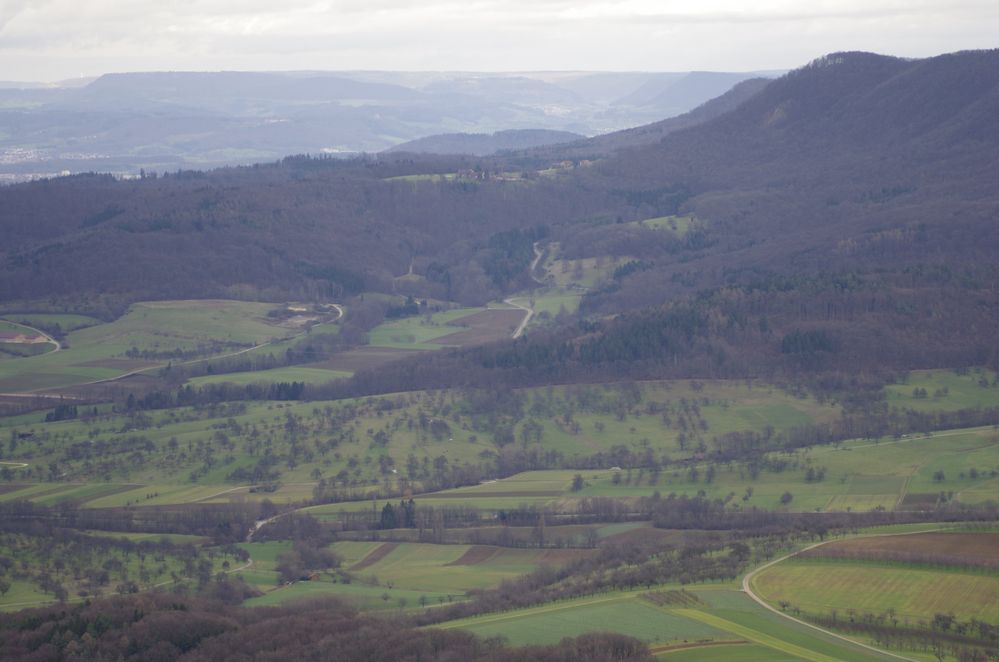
(218, 494)
(905, 488)
(747, 588)
(673, 648)
(534, 264)
(260, 523)
(528, 309)
(914, 437)
(524, 613)
(527, 318)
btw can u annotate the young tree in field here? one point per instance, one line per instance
(578, 483)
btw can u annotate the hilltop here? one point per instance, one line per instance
(159, 121)
(483, 144)
(859, 181)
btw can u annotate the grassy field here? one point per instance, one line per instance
(726, 653)
(550, 623)
(958, 548)
(936, 390)
(148, 335)
(360, 422)
(351, 441)
(304, 374)
(370, 598)
(915, 594)
(418, 332)
(386, 573)
(65, 321)
(551, 302)
(860, 476)
(679, 225)
(912, 576)
(725, 617)
(451, 569)
(14, 331)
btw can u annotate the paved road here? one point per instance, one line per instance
(747, 588)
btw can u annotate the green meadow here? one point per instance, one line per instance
(418, 332)
(453, 569)
(726, 617)
(939, 390)
(912, 594)
(65, 321)
(416, 573)
(303, 374)
(188, 454)
(679, 225)
(859, 476)
(150, 334)
(369, 431)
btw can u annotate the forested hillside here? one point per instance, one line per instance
(483, 144)
(843, 215)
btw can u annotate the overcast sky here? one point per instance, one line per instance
(56, 39)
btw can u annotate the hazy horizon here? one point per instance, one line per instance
(59, 40)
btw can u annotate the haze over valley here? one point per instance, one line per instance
(163, 121)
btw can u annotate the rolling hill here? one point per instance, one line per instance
(160, 121)
(859, 181)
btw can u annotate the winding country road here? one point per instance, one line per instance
(512, 301)
(527, 318)
(534, 264)
(58, 345)
(747, 588)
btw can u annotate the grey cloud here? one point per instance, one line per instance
(490, 34)
(11, 9)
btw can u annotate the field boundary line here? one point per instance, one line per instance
(218, 494)
(525, 613)
(933, 434)
(754, 635)
(527, 318)
(39, 393)
(672, 648)
(747, 589)
(905, 488)
(58, 345)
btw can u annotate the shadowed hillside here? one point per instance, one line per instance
(846, 209)
(482, 144)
